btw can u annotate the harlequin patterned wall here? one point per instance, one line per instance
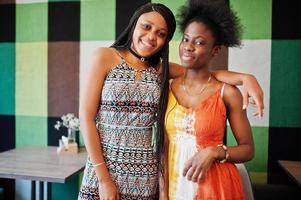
(45, 47)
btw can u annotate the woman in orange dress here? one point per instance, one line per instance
(200, 166)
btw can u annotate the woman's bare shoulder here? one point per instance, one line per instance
(104, 58)
(104, 53)
(232, 95)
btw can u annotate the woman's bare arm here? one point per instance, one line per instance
(240, 126)
(89, 102)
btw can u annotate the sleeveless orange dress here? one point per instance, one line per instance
(190, 129)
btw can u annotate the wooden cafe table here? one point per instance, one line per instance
(293, 169)
(41, 165)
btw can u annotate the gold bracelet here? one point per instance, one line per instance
(98, 164)
(226, 153)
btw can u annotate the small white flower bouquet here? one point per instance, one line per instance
(69, 121)
(68, 145)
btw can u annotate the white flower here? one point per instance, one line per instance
(57, 127)
(69, 121)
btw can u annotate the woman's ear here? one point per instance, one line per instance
(216, 49)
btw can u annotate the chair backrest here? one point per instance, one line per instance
(246, 181)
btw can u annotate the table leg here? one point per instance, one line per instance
(33, 190)
(41, 190)
(48, 190)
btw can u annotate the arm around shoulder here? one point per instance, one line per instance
(175, 70)
(251, 87)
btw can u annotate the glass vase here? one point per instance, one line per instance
(71, 135)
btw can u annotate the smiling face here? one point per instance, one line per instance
(197, 47)
(150, 34)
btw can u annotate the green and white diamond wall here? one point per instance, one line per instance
(45, 48)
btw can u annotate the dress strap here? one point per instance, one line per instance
(222, 90)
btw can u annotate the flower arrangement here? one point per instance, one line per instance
(69, 121)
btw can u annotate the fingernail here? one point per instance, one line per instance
(244, 107)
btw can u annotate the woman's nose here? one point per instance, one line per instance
(188, 47)
(151, 36)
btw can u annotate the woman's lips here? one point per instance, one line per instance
(186, 56)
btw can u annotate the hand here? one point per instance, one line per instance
(197, 166)
(251, 88)
(108, 190)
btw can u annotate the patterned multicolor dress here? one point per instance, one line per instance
(124, 121)
(190, 129)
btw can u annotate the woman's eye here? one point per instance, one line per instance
(184, 40)
(162, 34)
(146, 26)
(199, 42)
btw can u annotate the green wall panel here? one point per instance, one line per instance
(260, 136)
(285, 106)
(31, 131)
(97, 20)
(31, 79)
(256, 18)
(31, 22)
(174, 52)
(7, 78)
(174, 5)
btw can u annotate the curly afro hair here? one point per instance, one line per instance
(216, 15)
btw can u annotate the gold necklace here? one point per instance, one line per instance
(202, 90)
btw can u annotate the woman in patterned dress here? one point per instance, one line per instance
(119, 103)
(201, 167)
(124, 95)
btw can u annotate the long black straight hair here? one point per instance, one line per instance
(124, 41)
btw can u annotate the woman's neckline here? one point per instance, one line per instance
(198, 105)
(124, 62)
(130, 65)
